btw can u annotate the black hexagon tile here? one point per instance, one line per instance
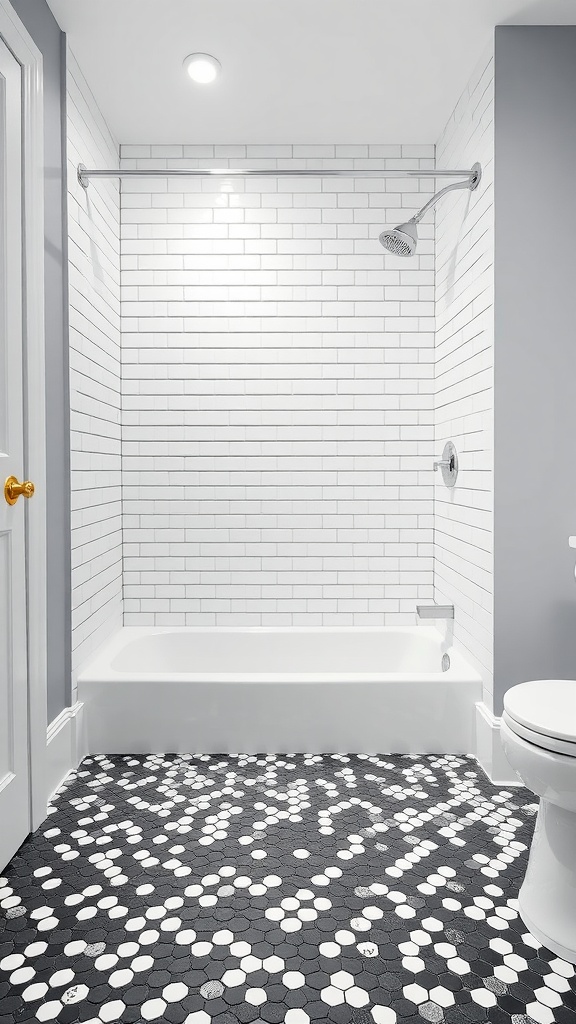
(277, 890)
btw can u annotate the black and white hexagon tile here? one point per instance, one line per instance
(277, 889)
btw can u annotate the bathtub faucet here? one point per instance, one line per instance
(435, 611)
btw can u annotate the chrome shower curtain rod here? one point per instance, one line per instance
(85, 173)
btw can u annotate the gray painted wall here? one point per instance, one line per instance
(38, 19)
(535, 356)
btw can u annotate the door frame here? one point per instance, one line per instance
(21, 44)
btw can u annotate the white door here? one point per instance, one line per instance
(14, 746)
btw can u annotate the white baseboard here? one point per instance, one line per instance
(489, 751)
(63, 746)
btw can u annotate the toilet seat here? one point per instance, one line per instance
(543, 712)
(550, 743)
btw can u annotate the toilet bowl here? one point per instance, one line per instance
(538, 732)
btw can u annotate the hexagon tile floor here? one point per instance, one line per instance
(230, 890)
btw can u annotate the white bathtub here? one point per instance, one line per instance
(277, 690)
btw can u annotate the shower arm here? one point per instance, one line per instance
(471, 183)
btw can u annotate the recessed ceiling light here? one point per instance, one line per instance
(202, 67)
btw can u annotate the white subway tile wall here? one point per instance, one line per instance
(94, 311)
(464, 375)
(277, 390)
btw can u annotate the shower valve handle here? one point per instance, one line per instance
(448, 464)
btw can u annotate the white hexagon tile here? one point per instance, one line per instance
(277, 890)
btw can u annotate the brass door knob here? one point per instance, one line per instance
(13, 489)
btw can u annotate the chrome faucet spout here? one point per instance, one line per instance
(435, 611)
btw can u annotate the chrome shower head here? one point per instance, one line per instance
(401, 240)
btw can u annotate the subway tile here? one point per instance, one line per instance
(464, 362)
(301, 322)
(278, 380)
(95, 359)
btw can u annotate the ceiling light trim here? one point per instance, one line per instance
(202, 68)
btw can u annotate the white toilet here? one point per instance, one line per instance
(538, 733)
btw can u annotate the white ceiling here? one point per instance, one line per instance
(299, 71)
